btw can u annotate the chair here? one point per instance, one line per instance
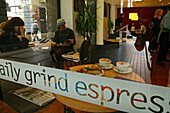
(81, 58)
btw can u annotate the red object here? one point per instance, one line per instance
(145, 15)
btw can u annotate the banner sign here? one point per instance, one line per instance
(117, 94)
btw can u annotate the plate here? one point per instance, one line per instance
(123, 72)
(101, 73)
(91, 70)
(110, 66)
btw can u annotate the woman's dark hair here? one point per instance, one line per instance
(121, 14)
(9, 24)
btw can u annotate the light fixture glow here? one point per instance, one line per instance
(133, 16)
(137, 0)
(30, 8)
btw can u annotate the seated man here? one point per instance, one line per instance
(63, 36)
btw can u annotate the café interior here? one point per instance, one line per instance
(100, 58)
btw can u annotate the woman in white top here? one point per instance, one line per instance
(142, 28)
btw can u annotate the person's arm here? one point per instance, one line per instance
(121, 25)
(22, 30)
(71, 38)
(73, 41)
(56, 40)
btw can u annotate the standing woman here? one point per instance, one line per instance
(164, 39)
(9, 40)
(156, 19)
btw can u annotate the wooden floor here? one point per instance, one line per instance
(5, 108)
(127, 52)
(139, 61)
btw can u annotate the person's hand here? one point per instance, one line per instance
(22, 30)
(71, 41)
(68, 42)
(159, 17)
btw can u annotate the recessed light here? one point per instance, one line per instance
(160, 0)
(137, 0)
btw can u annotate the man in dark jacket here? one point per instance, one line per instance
(65, 37)
(119, 23)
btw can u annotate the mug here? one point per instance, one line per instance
(104, 62)
(122, 66)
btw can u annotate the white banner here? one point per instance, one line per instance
(117, 94)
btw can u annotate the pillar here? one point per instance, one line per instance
(100, 22)
(53, 13)
(3, 12)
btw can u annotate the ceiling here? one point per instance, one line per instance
(144, 3)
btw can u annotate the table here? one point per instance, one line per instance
(115, 41)
(84, 106)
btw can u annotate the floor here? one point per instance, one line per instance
(127, 52)
(139, 60)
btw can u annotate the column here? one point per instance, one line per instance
(100, 22)
(3, 12)
(67, 12)
(53, 13)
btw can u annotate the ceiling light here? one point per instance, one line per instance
(160, 0)
(137, 0)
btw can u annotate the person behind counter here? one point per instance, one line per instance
(142, 28)
(118, 24)
(63, 36)
(9, 39)
(132, 29)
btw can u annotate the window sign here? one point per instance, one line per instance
(111, 93)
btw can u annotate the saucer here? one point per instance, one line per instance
(109, 67)
(123, 72)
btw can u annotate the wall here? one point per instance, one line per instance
(67, 12)
(145, 15)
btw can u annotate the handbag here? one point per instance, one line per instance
(151, 25)
(153, 44)
(140, 43)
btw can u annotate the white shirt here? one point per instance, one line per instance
(143, 29)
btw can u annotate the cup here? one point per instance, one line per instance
(104, 62)
(118, 38)
(122, 66)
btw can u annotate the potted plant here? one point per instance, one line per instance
(86, 20)
(109, 25)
